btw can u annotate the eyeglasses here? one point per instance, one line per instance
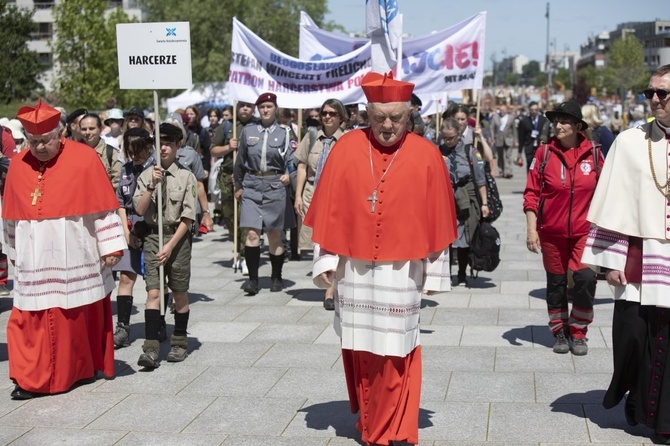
(450, 138)
(331, 114)
(649, 93)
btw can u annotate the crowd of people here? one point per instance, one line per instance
(273, 179)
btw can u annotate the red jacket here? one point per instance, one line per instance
(561, 201)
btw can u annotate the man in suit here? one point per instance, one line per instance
(530, 131)
(504, 135)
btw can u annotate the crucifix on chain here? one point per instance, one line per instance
(373, 200)
(35, 195)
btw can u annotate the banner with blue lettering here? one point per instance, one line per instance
(445, 61)
(256, 67)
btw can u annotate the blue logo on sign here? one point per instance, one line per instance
(171, 32)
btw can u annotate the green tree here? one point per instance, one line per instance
(211, 21)
(530, 70)
(563, 79)
(625, 68)
(85, 51)
(20, 72)
(511, 79)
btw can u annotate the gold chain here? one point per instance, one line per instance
(664, 189)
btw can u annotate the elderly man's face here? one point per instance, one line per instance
(45, 147)
(388, 121)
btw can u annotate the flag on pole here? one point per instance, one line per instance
(384, 28)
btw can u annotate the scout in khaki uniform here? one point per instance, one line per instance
(179, 198)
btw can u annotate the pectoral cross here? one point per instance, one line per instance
(373, 200)
(35, 195)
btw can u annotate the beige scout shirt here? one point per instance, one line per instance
(311, 158)
(113, 169)
(179, 195)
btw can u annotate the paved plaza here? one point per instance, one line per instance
(266, 370)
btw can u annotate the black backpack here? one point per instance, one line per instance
(484, 249)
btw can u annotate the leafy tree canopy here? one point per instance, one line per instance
(211, 22)
(625, 69)
(21, 68)
(85, 51)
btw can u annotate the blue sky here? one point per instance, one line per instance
(514, 27)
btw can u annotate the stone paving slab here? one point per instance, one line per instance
(266, 369)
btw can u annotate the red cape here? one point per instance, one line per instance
(75, 183)
(415, 214)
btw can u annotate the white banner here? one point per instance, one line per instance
(154, 56)
(448, 60)
(256, 68)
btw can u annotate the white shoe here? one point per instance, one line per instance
(243, 267)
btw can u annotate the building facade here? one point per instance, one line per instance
(43, 37)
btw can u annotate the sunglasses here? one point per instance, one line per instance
(331, 114)
(649, 93)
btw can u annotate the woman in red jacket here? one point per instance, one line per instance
(561, 180)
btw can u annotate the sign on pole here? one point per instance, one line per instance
(154, 56)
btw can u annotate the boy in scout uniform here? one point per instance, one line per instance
(179, 198)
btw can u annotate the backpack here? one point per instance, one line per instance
(484, 249)
(492, 195)
(493, 199)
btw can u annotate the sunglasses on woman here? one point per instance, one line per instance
(649, 93)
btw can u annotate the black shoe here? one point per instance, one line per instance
(660, 438)
(329, 304)
(250, 287)
(629, 411)
(460, 279)
(21, 394)
(277, 285)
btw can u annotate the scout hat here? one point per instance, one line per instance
(267, 97)
(383, 88)
(40, 119)
(75, 114)
(135, 111)
(170, 132)
(570, 108)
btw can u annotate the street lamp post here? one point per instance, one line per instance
(548, 61)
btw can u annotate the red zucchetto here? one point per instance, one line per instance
(40, 119)
(383, 88)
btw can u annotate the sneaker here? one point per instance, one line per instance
(243, 267)
(121, 335)
(149, 359)
(561, 345)
(4, 292)
(579, 347)
(177, 354)
(277, 285)
(250, 287)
